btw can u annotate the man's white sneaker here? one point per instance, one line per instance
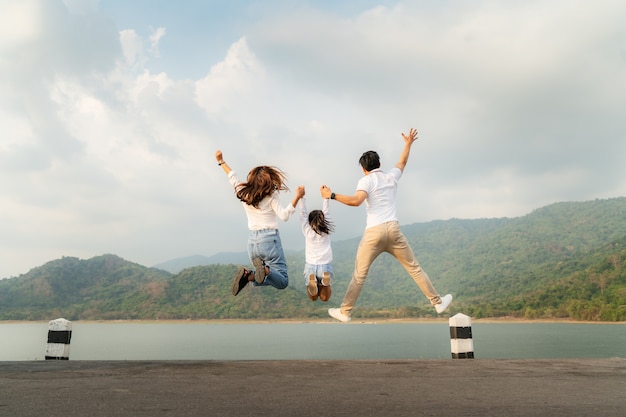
(337, 314)
(445, 302)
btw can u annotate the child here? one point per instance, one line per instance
(318, 272)
(260, 199)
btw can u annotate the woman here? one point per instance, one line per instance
(259, 196)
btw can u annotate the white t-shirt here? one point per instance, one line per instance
(318, 249)
(381, 187)
(269, 211)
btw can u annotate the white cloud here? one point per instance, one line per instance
(155, 38)
(233, 87)
(132, 46)
(20, 23)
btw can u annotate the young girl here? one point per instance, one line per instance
(318, 271)
(260, 198)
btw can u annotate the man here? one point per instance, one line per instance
(382, 231)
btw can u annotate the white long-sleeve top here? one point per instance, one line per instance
(269, 211)
(318, 249)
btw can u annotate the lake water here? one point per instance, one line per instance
(25, 341)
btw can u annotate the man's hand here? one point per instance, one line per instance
(218, 156)
(325, 191)
(408, 141)
(411, 137)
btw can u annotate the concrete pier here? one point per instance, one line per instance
(561, 387)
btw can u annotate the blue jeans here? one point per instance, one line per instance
(266, 244)
(318, 271)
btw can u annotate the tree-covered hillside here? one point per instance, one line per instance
(94, 288)
(565, 260)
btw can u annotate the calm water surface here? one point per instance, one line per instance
(328, 341)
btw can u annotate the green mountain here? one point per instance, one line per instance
(97, 288)
(565, 260)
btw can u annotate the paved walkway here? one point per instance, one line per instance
(455, 387)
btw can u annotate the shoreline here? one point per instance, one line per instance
(508, 320)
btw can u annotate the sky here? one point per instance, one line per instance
(111, 112)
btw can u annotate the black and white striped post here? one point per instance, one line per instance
(461, 341)
(59, 336)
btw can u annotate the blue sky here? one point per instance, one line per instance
(111, 112)
(200, 31)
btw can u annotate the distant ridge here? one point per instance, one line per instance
(178, 264)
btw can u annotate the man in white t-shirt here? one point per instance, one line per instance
(382, 231)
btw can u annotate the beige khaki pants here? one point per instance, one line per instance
(386, 237)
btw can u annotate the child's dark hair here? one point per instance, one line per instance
(319, 223)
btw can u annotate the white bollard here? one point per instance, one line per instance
(59, 335)
(461, 337)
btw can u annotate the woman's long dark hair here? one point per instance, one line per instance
(262, 181)
(319, 223)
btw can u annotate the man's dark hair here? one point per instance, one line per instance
(369, 161)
